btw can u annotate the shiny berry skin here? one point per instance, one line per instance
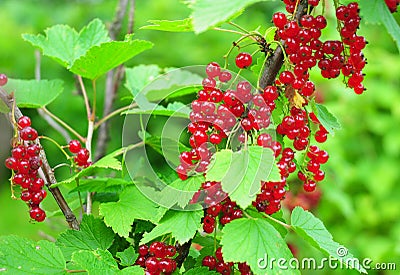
(152, 265)
(3, 79)
(24, 122)
(264, 140)
(82, 155)
(243, 60)
(225, 76)
(167, 266)
(33, 150)
(182, 172)
(143, 250)
(170, 251)
(37, 214)
(213, 70)
(28, 133)
(215, 139)
(11, 163)
(286, 77)
(25, 195)
(210, 262)
(74, 146)
(158, 249)
(279, 19)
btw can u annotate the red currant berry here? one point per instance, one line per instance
(143, 250)
(83, 155)
(213, 70)
(243, 60)
(74, 146)
(210, 262)
(33, 150)
(23, 122)
(11, 163)
(158, 249)
(279, 19)
(286, 77)
(37, 214)
(25, 195)
(225, 76)
(152, 265)
(28, 133)
(3, 79)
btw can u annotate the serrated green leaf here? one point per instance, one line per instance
(327, 119)
(241, 172)
(184, 25)
(175, 109)
(209, 13)
(98, 60)
(258, 241)
(132, 205)
(257, 67)
(182, 225)
(101, 185)
(132, 270)
(138, 77)
(22, 256)
(65, 45)
(200, 271)
(34, 93)
(93, 234)
(106, 162)
(180, 192)
(128, 256)
(377, 12)
(314, 232)
(96, 262)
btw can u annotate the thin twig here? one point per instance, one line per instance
(85, 97)
(274, 63)
(45, 171)
(131, 16)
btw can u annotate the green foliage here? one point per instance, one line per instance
(181, 224)
(22, 256)
(65, 45)
(241, 172)
(175, 109)
(100, 59)
(314, 232)
(139, 76)
(132, 205)
(258, 240)
(95, 262)
(184, 25)
(200, 271)
(128, 256)
(377, 12)
(34, 93)
(327, 119)
(101, 185)
(92, 235)
(207, 13)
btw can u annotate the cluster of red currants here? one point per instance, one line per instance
(25, 163)
(81, 154)
(392, 5)
(157, 258)
(218, 264)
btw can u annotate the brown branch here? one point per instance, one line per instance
(45, 169)
(183, 251)
(113, 80)
(274, 63)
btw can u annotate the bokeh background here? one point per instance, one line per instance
(360, 202)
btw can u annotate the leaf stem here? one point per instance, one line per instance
(56, 144)
(85, 97)
(287, 226)
(112, 114)
(230, 31)
(64, 124)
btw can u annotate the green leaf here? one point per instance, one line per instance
(101, 185)
(22, 256)
(257, 244)
(377, 12)
(106, 162)
(327, 119)
(184, 25)
(314, 232)
(100, 59)
(65, 45)
(182, 225)
(93, 234)
(200, 271)
(128, 256)
(210, 13)
(180, 192)
(96, 262)
(132, 205)
(175, 109)
(241, 172)
(138, 77)
(132, 270)
(34, 93)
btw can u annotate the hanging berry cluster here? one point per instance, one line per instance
(82, 155)
(25, 163)
(157, 258)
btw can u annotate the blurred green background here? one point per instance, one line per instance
(360, 204)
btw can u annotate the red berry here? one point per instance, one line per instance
(158, 249)
(28, 133)
(74, 146)
(225, 76)
(152, 265)
(143, 250)
(167, 266)
(11, 163)
(213, 70)
(182, 172)
(83, 155)
(279, 19)
(3, 79)
(23, 122)
(25, 195)
(33, 150)
(37, 214)
(243, 60)
(210, 262)
(286, 77)
(264, 140)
